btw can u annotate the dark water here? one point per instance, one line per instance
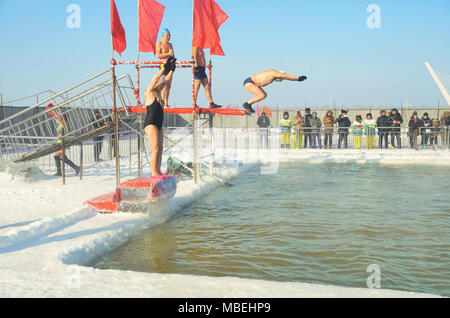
(310, 223)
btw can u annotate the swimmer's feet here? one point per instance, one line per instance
(213, 106)
(248, 108)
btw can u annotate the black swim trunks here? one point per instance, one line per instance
(248, 81)
(199, 72)
(155, 115)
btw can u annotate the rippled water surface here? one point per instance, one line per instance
(309, 223)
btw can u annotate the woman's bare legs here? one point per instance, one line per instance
(154, 138)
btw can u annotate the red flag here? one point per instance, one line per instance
(117, 30)
(208, 18)
(150, 17)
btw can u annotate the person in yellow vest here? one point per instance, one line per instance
(369, 130)
(286, 126)
(357, 128)
(298, 132)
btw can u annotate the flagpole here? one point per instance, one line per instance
(194, 115)
(139, 99)
(116, 124)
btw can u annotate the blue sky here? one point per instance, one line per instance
(328, 41)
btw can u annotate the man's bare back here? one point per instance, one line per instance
(265, 78)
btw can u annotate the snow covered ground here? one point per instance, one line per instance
(47, 235)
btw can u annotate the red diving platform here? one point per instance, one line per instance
(135, 195)
(190, 110)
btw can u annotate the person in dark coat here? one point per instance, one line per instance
(98, 140)
(395, 120)
(427, 123)
(307, 128)
(343, 123)
(263, 123)
(383, 129)
(414, 126)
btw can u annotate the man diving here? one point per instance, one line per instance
(254, 83)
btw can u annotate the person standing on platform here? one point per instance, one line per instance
(263, 124)
(298, 133)
(427, 123)
(328, 122)
(286, 126)
(155, 115)
(164, 50)
(200, 77)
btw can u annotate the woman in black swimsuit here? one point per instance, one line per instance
(155, 115)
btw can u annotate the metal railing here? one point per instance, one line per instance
(35, 128)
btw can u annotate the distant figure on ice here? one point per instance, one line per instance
(200, 77)
(286, 126)
(435, 131)
(369, 130)
(307, 128)
(395, 120)
(414, 126)
(357, 128)
(98, 140)
(328, 122)
(427, 123)
(316, 125)
(263, 124)
(383, 130)
(343, 123)
(164, 50)
(61, 128)
(155, 115)
(298, 133)
(254, 83)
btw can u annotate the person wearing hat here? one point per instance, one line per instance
(263, 123)
(414, 126)
(427, 123)
(286, 126)
(298, 135)
(383, 130)
(307, 130)
(328, 122)
(357, 128)
(343, 124)
(369, 130)
(395, 120)
(254, 85)
(164, 50)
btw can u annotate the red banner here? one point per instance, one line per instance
(208, 18)
(150, 17)
(117, 30)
